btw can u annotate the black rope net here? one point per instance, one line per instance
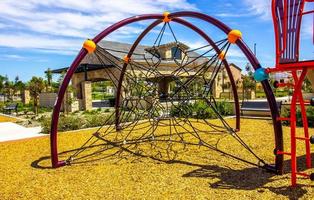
(164, 104)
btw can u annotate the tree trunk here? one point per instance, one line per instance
(35, 105)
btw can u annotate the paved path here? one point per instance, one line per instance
(11, 131)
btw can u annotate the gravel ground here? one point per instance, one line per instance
(5, 118)
(196, 173)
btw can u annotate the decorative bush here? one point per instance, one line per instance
(182, 110)
(203, 111)
(71, 122)
(199, 109)
(76, 121)
(309, 113)
(225, 108)
(97, 120)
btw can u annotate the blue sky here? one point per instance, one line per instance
(36, 34)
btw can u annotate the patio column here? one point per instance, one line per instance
(253, 94)
(25, 97)
(217, 90)
(87, 95)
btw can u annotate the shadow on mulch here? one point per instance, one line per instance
(249, 178)
(245, 179)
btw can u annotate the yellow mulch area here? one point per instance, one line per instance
(7, 119)
(196, 172)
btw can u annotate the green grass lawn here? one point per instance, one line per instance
(198, 173)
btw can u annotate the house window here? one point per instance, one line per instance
(176, 53)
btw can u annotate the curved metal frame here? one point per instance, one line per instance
(254, 62)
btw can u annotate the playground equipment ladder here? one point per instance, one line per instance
(287, 17)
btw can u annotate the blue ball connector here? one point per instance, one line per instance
(260, 75)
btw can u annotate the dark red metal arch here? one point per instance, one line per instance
(268, 91)
(56, 111)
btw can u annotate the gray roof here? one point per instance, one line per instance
(119, 50)
(114, 52)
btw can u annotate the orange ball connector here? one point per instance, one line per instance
(234, 35)
(166, 17)
(222, 55)
(126, 59)
(89, 45)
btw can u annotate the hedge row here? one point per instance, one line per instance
(201, 110)
(309, 114)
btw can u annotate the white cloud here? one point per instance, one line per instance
(42, 43)
(261, 8)
(195, 44)
(12, 57)
(233, 14)
(61, 25)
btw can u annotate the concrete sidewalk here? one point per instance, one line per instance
(11, 131)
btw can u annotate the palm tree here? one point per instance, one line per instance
(49, 78)
(3, 79)
(19, 86)
(8, 88)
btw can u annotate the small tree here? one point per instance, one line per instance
(248, 84)
(36, 86)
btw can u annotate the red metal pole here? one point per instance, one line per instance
(297, 89)
(293, 134)
(305, 122)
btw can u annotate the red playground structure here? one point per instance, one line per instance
(287, 18)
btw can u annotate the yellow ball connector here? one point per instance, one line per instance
(166, 17)
(89, 45)
(234, 35)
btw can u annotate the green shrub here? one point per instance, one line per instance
(44, 109)
(182, 110)
(225, 108)
(309, 114)
(66, 123)
(92, 112)
(203, 111)
(71, 122)
(75, 122)
(97, 120)
(45, 124)
(2, 105)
